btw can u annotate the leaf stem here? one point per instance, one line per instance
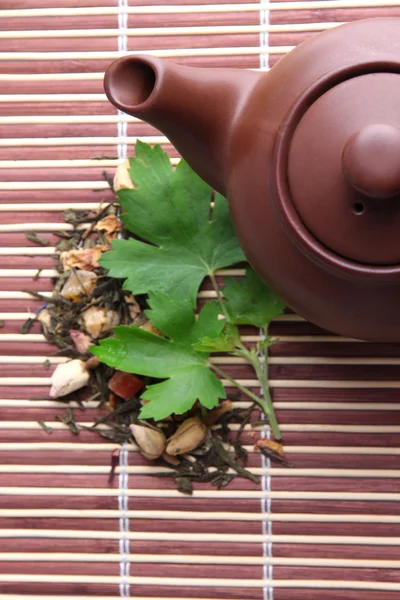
(220, 298)
(236, 384)
(262, 374)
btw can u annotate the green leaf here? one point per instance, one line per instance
(187, 374)
(250, 301)
(226, 341)
(180, 244)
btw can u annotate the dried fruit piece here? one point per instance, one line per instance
(122, 179)
(98, 321)
(68, 377)
(86, 259)
(78, 284)
(125, 385)
(190, 434)
(151, 442)
(81, 341)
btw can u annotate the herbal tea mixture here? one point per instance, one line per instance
(124, 311)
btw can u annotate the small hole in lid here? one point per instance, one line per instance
(358, 208)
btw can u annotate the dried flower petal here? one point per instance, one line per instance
(125, 385)
(110, 224)
(271, 445)
(214, 415)
(122, 179)
(81, 341)
(78, 284)
(151, 442)
(98, 321)
(68, 377)
(44, 318)
(133, 306)
(171, 460)
(86, 258)
(190, 434)
(148, 326)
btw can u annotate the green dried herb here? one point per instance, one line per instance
(27, 326)
(36, 239)
(68, 419)
(46, 427)
(184, 485)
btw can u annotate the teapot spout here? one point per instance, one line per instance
(195, 108)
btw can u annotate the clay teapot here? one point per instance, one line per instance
(308, 156)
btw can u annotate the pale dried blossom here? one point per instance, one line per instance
(78, 284)
(81, 341)
(86, 258)
(189, 435)
(151, 442)
(44, 317)
(68, 377)
(99, 321)
(122, 179)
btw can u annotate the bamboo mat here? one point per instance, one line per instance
(328, 529)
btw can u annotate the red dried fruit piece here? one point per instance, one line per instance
(125, 385)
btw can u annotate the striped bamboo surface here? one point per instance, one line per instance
(329, 529)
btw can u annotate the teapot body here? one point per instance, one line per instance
(296, 215)
(308, 156)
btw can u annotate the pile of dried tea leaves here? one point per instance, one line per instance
(85, 306)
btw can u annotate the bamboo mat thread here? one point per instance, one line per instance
(328, 529)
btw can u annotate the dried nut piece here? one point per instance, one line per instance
(125, 385)
(190, 434)
(86, 259)
(122, 179)
(78, 284)
(81, 341)
(151, 442)
(98, 321)
(69, 377)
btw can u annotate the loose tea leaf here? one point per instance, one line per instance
(68, 419)
(170, 209)
(184, 485)
(27, 326)
(187, 374)
(36, 239)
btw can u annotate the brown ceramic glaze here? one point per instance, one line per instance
(309, 158)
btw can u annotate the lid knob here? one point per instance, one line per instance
(371, 161)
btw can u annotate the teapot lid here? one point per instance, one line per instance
(343, 167)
